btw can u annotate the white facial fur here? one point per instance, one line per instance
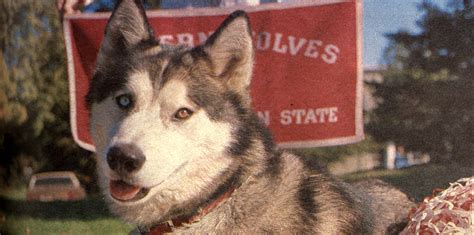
(175, 151)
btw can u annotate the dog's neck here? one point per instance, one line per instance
(170, 225)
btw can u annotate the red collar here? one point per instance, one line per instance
(170, 225)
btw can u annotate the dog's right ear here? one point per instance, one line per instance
(127, 27)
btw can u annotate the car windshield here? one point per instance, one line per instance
(53, 181)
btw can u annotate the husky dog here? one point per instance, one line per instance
(180, 149)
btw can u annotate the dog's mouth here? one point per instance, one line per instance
(124, 192)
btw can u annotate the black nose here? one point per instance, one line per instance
(125, 158)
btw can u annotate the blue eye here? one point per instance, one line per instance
(124, 101)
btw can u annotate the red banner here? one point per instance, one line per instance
(307, 83)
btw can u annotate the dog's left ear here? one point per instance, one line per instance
(231, 52)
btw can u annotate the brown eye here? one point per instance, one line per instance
(183, 114)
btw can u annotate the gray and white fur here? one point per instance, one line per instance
(176, 123)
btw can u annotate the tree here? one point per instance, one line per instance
(427, 97)
(34, 112)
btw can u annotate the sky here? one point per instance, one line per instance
(388, 16)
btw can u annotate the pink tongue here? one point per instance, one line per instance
(123, 191)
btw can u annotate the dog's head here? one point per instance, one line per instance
(167, 120)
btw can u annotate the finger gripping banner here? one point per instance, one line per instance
(307, 83)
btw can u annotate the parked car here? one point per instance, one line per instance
(55, 185)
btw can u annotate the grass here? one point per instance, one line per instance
(29, 225)
(418, 181)
(92, 217)
(89, 216)
(326, 155)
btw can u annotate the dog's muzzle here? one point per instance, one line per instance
(125, 159)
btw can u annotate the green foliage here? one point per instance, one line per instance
(427, 94)
(13, 112)
(34, 116)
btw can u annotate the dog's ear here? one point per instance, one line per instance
(127, 27)
(231, 52)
